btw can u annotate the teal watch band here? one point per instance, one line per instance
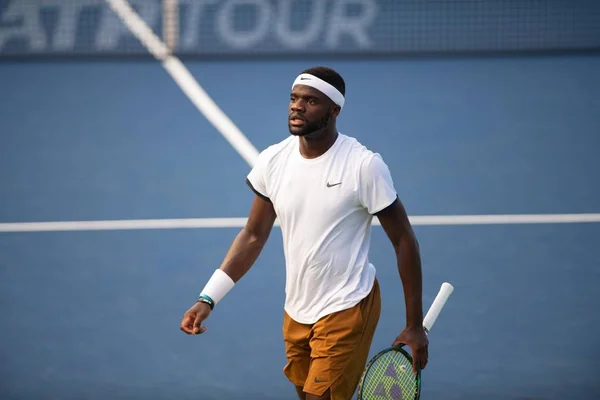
(206, 299)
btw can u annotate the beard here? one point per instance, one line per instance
(310, 127)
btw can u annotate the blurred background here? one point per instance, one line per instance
(126, 133)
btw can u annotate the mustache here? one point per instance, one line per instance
(298, 116)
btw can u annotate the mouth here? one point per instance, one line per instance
(296, 121)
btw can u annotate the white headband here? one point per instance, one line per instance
(322, 86)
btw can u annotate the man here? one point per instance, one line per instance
(325, 187)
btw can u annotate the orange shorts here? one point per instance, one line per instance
(332, 353)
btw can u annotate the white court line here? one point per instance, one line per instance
(185, 80)
(198, 223)
(244, 147)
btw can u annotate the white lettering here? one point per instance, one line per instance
(22, 22)
(194, 14)
(112, 29)
(355, 27)
(66, 31)
(243, 39)
(28, 26)
(298, 40)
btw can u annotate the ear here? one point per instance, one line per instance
(336, 110)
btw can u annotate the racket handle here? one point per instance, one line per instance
(437, 305)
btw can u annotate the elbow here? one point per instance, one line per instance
(407, 242)
(255, 237)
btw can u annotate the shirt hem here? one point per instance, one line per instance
(330, 309)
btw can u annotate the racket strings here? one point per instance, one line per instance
(390, 377)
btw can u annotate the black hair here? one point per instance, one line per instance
(328, 75)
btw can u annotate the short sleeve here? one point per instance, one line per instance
(376, 188)
(257, 178)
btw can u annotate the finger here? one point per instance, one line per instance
(197, 329)
(417, 356)
(416, 363)
(424, 357)
(186, 324)
(420, 359)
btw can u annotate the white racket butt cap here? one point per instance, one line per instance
(437, 305)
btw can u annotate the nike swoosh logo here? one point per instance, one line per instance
(304, 79)
(333, 184)
(317, 380)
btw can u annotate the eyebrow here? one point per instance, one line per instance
(306, 96)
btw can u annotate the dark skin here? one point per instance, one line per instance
(312, 117)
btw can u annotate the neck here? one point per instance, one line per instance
(316, 144)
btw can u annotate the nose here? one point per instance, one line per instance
(297, 105)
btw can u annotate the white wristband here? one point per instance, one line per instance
(218, 286)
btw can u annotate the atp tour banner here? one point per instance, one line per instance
(292, 27)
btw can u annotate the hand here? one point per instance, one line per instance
(416, 339)
(193, 317)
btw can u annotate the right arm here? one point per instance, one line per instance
(242, 254)
(248, 244)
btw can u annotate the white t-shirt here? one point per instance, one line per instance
(324, 206)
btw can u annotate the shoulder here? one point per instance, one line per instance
(259, 177)
(275, 152)
(363, 158)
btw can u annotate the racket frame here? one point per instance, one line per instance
(399, 349)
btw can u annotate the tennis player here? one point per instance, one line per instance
(325, 187)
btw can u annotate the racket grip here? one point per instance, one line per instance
(437, 305)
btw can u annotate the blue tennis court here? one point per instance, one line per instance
(95, 314)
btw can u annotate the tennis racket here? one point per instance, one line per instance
(388, 375)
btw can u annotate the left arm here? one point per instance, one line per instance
(396, 225)
(379, 197)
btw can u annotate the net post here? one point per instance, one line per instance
(171, 24)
